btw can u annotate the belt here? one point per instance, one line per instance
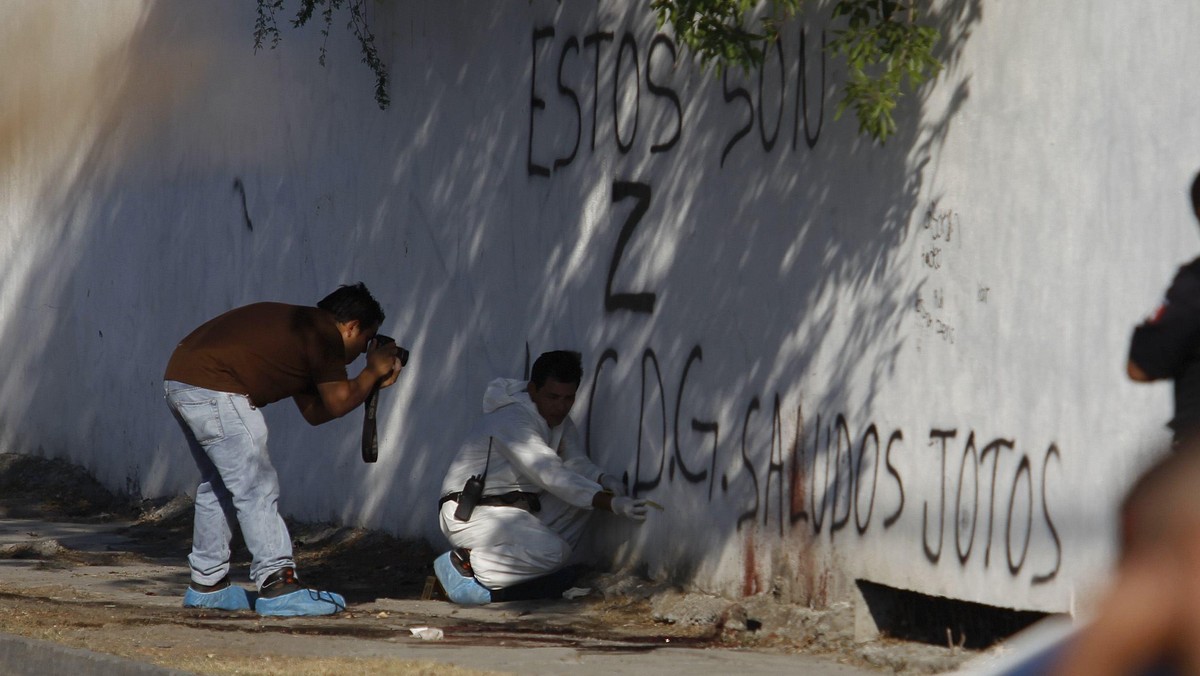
(519, 499)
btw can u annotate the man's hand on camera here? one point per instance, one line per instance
(382, 359)
(393, 376)
(612, 484)
(634, 510)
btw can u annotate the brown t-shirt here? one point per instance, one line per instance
(268, 351)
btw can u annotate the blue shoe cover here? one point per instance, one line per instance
(465, 591)
(232, 597)
(301, 602)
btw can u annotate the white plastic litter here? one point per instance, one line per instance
(427, 633)
(576, 593)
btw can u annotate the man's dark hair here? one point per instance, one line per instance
(353, 301)
(562, 365)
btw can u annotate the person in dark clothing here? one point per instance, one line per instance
(1167, 345)
(216, 381)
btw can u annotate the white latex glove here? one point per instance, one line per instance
(634, 510)
(612, 484)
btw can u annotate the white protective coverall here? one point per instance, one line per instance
(509, 544)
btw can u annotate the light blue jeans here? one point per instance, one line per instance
(228, 439)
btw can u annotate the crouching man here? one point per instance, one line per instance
(536, 490)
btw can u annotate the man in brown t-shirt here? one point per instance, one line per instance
(216, 381)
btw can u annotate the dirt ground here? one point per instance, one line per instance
(378, 574)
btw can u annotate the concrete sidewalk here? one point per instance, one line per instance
(111, 601)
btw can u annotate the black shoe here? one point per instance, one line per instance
(209, 588)
(282, 581)
(549, 586)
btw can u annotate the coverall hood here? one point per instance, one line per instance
(504, 391)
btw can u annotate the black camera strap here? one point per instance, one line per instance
(370, 435)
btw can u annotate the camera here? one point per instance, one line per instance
(401, 353)
(469, 497)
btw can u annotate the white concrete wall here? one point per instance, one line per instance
(899, 363)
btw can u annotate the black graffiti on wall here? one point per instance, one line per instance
(741, 97)
(1022, 499)
(641, 301)
(573, 68)
(830, 478)
(842, 476)
(240, 189)
(627, 67)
